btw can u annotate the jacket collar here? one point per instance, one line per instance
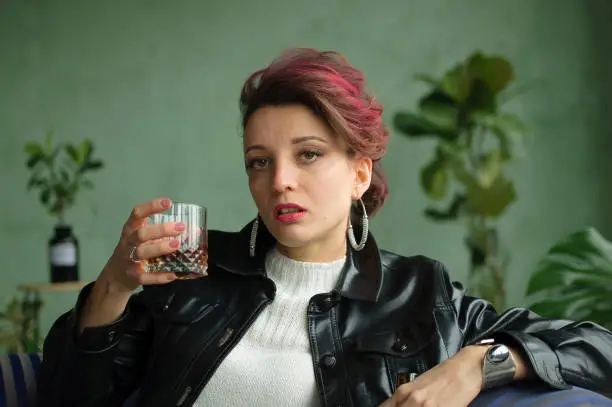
(361, 278)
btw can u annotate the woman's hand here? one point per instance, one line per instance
(453, 383)
(121, 273)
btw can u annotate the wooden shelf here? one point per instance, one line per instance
(53, 287)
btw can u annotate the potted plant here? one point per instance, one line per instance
(573, 280)
(476, 142)
(59, 172)
(18, 334)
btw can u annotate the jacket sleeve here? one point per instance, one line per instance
(100, 366)
(561, 353)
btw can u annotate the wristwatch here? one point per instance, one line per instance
(498, 367)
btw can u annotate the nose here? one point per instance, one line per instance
(285, 177)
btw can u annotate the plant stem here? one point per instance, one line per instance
(499, 279)
(52, 179)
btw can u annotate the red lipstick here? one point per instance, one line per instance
(288, 213)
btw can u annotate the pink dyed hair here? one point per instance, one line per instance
(334, 90)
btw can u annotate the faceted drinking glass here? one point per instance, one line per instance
(191, 259)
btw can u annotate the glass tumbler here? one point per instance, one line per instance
(191, 258)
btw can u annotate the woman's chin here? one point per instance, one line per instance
(289, 235)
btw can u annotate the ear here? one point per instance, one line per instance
(363, 176)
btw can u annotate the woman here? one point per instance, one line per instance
(301, 307)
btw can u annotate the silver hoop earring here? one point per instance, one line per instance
(253, 237)
(364, 230)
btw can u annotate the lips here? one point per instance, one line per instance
(288, 213)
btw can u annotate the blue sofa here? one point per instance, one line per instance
(18, 389)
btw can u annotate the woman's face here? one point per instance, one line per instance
(301, 177)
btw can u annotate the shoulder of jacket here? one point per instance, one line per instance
(395, 261)
(428, 271)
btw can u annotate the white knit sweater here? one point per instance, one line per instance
(271, 366)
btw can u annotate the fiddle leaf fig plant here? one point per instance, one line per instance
(476, 141)
(59, 171)
(573, 280)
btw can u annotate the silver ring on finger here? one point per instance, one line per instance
(133, 257)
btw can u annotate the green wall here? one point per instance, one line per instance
(155, 85)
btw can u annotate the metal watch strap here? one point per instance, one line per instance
(498, 365)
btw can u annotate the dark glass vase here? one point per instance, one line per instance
(63, 255)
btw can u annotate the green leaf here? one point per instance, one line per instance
(494, 200)
(491, 166)
(74, 153)
(496, 72)
(56, 151)
(437, 98)
(65, 176)
(35, 182)
(576, 306)
(34, 149)
(574, 279)
(33, 161)
(489, 201)
(457, 83)
(451, 150)
(584, 258)
(415, 125)
(85, 150)
(94, 165)
(49, 142)
(481, 98)
(429, 79)
(556, 306)
(450, 214)
(443, 116)
(434, 178)
(45, 195)
(509, 130)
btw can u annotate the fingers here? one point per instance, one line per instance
(156, 248)
(388, 403)
(152, 232)
(141, 211)
(145, 278)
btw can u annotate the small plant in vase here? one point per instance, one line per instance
(59, 172)
(476, 142)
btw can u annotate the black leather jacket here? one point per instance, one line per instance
(388, 317)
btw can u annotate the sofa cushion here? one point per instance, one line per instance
(534, 395)
(18, 373)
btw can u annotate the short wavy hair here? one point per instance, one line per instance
(334, 90)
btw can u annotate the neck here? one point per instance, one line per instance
(322, 251)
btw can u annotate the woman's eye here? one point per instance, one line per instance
(310, 156)
(257, 163)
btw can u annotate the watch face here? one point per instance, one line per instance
(498, 353)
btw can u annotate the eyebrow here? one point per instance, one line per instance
(296, 140)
